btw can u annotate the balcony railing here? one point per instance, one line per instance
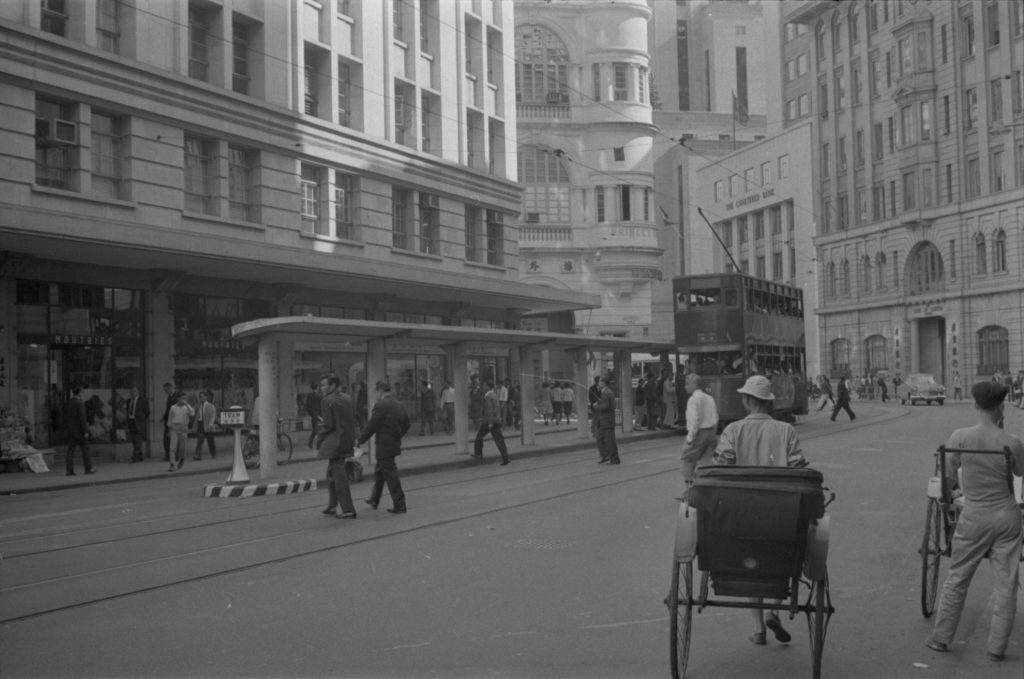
(532, 234)
(558, 111)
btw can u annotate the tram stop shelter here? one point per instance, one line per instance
(276, 337)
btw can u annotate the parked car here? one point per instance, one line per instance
(921, 387)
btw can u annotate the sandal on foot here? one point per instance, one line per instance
(758, 639)
(773, 623)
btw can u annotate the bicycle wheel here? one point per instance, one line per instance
(817, 621)
(251, 451)
(284, 448)
(931, 554)
(680, 608)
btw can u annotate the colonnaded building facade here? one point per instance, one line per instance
(172, 168)
(919, 159)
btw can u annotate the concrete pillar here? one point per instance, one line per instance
(286, 384)
(910, 348)
(160, 365)
(9, 349)
(579, 388)
(460, 383)
(268, 378)
(624, 382)
(528, 394)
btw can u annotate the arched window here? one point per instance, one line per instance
(840, 357)
(877, 352)
(831, 279)
(924, 270)
(819, 39)
(980, 258)
(865, 273)
(993, 350)
(542, 66)
(844, 277)
(880, 270)
(546, 187)
(999, 252)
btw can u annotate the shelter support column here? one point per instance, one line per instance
(911, 347)
(579, 388)
(461, 386)
(527, 395)
(624, 381)
(286, 379)
(267, 366)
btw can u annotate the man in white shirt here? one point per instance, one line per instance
(701, 428)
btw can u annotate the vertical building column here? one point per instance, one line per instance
(527, 394)
(267, 367)
(159, 364)
(910, 347)
(461, 385)
(624, 381)
(376, 371)
(8, 346)
(579, 388)
(286, 384)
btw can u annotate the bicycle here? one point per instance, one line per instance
(251, 447)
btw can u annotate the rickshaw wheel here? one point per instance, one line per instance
(817, 620)
(680, 604)
(931, 553)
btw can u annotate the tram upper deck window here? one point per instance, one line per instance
(705, 297)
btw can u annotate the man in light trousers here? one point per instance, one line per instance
(701, 428)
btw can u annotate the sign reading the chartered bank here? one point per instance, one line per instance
(752, 198)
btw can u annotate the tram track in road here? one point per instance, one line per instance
(225, 558)
(74, 590)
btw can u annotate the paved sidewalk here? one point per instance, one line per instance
(420, 454)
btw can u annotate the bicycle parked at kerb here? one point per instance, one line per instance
(251, 446)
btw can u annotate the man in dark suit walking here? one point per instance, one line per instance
(491, 423)
(138, 416)
(388, 422)
(335, 444)
(843, 399)
(77, 429)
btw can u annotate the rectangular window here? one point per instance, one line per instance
(345, 94)
(888, 69)
(641, 85)
(53, 15)
(775, 219)
(876, 74)
(766, 174)
(621, 91)
(241, 184)
(906, 56)
(309, 199)
(741, 229)
(949, 183)
(841, 152)
(843, 210)
(826, 160)
(401, 215)
(861, 206)
(967, 33)
(495, 238)
(1018, 161)
(906, 125)
(859, 148)
(826, 215)
(856, 82)
(878, 141)
(952, 259)
(397, 21)
(970, 109)
(908, 191)
(425, 123)
(944, 41)
(995, 89)
(998, 171)
(760, 263)
(777, 272)
(430, 224)
(1017, 92)
(1017, 19)
(927, 187)
(595, 75)
(973, 178)
(108, 25)
(734, 185)
(198, 175)
(926, 120)
(803, 104)
(240, 58)
(344, 208)
(823, 98)
(840, 90)
(199, 36)
(924, 51)
(625, 211)
(599, 197)
(473, 253)
(106, 156)
(802, 64)
(878, 202)
(992, 24)
(784, 166)
(56, 143)
(719, 191)
(758, 219)
(945, 114)
(892, 198)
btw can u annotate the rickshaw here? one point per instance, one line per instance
(941, 519)
(756, 533)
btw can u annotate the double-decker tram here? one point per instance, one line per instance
(731, 326)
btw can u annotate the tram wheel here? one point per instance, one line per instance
(817, 620)
(931, 554)
(680, 605)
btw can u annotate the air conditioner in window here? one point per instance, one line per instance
(533, 218)
(557, 97)
(54, 131)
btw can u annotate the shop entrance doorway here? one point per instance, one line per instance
(931, 347)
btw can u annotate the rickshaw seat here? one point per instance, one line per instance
(752, 526)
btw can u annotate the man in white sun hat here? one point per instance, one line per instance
(762, 441)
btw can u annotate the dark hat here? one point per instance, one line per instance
(988, 395)
(383, 386)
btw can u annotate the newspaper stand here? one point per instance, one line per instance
(234, 418)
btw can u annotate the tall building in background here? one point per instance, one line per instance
(585, 158)
(173, 168)
(919, 182)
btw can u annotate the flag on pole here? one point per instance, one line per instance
(739, 111)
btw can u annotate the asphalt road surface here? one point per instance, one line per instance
(550, 567)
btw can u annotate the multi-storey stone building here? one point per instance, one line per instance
(172, 168)
(919, 167)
